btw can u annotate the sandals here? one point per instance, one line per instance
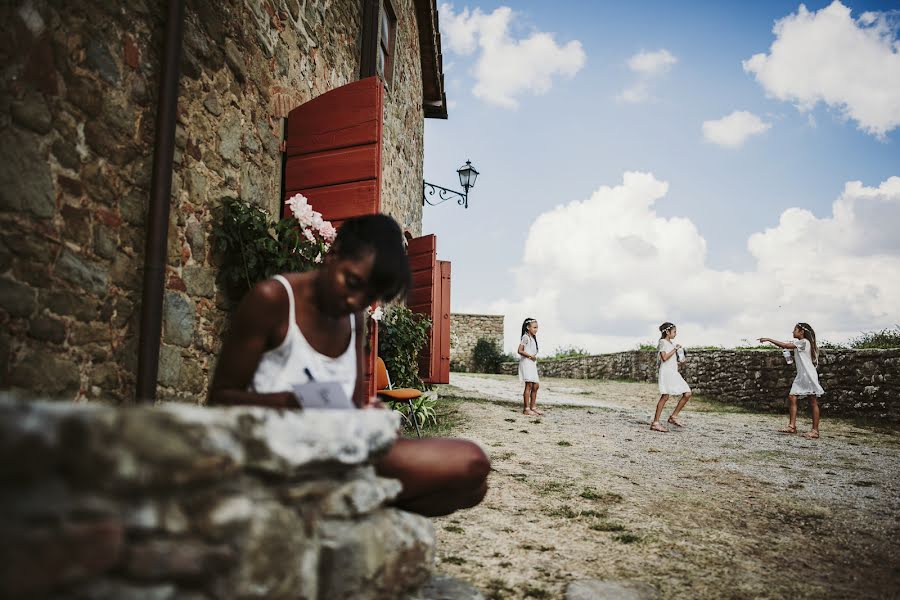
(675, 422)
(788, 429)
(812, 435)
(657, 426)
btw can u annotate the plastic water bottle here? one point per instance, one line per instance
(679, 353)
(788, 357)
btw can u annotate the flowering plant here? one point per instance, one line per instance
(254, 247)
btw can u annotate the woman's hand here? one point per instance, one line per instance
(677, 346)
(374, 402)
(533, 357)
(764, 340)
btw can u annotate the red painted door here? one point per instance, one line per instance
(333, 157)
(430, 296)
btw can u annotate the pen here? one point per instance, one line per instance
(308, 374)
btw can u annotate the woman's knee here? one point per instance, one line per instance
(475, 464)
(535, 386)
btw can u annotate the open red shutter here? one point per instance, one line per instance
(430, 296)
(333, 158)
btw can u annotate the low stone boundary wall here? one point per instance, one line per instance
(857, 382)
(179, 501)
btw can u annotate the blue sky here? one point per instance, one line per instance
(560, 146)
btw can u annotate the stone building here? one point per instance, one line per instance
(466, 330)
(78, 130)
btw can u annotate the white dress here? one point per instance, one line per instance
(806, 383)
(527, 367)
(670, 380)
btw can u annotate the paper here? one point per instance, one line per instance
(322, 395)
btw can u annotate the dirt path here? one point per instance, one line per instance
(726, 508)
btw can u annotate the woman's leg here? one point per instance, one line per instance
(659, 408)
(526, 396)
(792, 418)
(534, 390)
(439, 476)
(814, 408)
(674, 416)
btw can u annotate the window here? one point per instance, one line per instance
(379, 40)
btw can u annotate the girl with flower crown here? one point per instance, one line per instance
(671, 383)
(806, 383)
(528, 373)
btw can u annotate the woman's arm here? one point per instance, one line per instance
(254, 323)
(523, 353)
(664, 356)
(785, 345)
(360, 391)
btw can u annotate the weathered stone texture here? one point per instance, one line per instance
(466, 330)
(856, 382)
(187, 502)
(77, 127)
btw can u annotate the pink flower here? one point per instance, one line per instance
(327, 231)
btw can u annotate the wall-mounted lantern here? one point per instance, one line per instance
(467, 176)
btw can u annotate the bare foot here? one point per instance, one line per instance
(657, 426)
(529, 412)
(788, 429)
(675, 421)
(538, 412)
(812, 435)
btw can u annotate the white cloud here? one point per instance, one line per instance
(826, 56)
(602, 273)
(648, 66)
(652, 63)
(733, 130)
(505, 67)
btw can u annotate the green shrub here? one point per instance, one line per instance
(253, 246)
(458, 366)
(886, 338)
(486, 357)
(647, 347)
(401, 336)
(422, 408)
(567, 352)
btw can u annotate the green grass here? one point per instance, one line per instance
(627, 538)
(607, 526)
(453, 528)
(563, 443)
(532, 591)
(454, 560)
(565, 511)
(449, 419)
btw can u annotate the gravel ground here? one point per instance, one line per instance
(726, 508)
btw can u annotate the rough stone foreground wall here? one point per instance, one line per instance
(185, 502)
(466, 330)
(857, 382)
(77, 119)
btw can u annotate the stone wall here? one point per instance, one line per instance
(78, 102)
(857, 382)
(466, 330)
(187, 502)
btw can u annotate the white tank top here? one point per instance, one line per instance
(291, 363)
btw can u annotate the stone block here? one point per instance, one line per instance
(382, 555)
(87, 274)
(360, 496)
(195, 235)
(16, 298)
(177, 560)
(179, 318)
(38, 558)
(25, 180)
(199, 281)
(32, 113)
(69, 304)
(230, 140)
(127, 271)
(100, 59)
(47, 329)
(42, 371)
(190, 377)
(169, 365)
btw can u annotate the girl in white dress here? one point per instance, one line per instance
(670, 380)
(528, 349)
(806, 383)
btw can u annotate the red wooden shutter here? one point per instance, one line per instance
(333, 158)
(430, 296)
(334, 151)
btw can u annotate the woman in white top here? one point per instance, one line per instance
(300, 327)
(806, 383)
(528, 373)
(670, 380)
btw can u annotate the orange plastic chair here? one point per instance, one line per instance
(385, 389)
